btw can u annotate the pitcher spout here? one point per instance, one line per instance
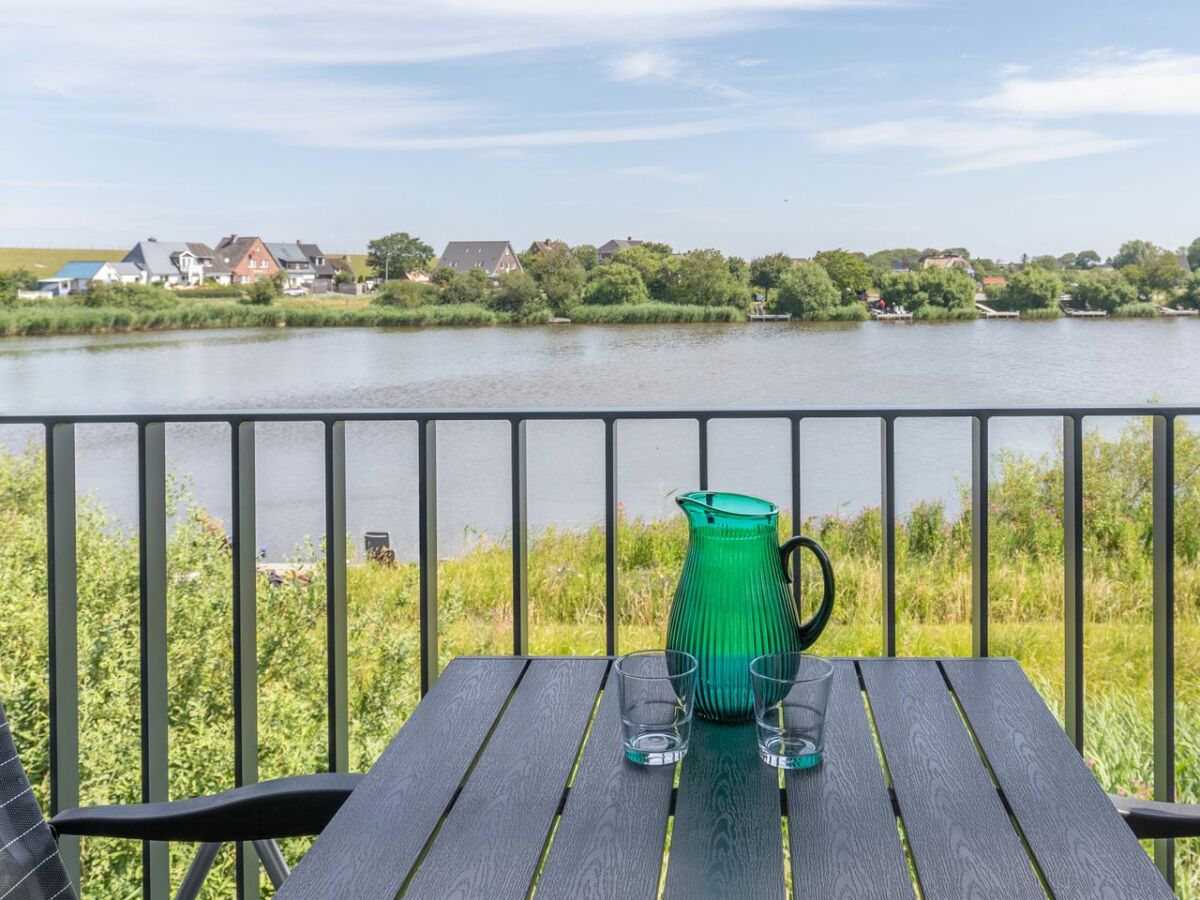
(707, 507)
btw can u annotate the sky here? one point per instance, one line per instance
(1005, 126)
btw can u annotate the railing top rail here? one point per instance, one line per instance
(600, 414)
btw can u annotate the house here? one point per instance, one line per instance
(1182, 259)
(494, 257)
(246, 258)
(294, 263)
(609, 250)
(547, 244)
(948, 262)
(340, 266)
(994, 281)
(323, 272)
(77, 276)
(177, 263)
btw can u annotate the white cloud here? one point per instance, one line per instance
(1159, 83)
(973, 146)
(645, 65)
(660, 173)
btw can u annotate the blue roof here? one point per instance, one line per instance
(76, 269)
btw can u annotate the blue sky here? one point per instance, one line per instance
(1007, 126)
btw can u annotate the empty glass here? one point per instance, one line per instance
(657, 695)
(791, 691)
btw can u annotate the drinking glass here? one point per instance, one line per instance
(791, 691)
(657, 690)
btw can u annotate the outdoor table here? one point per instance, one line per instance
(479, 795)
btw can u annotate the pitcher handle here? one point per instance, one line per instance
(811, 629)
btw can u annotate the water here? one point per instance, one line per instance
(868, 364)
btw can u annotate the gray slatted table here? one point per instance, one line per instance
(509, 777)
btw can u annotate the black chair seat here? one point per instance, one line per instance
(285, 807)
(1156, 819)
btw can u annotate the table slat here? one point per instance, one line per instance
(962, 841)
(727, 838)
(408, 789)
(609, 843)
(492, 839)
(1082, 847)
(841, 826)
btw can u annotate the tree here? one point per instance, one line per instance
(947, 288)
(957, 251)
(408, 294)
(1135, 253)
(1047, 262)
(615, 284)
(1068, 260)
(586, 255)
(1160, 272)
(260, 293)
(1191, 293)
(654, 267)
(702, 278)
(15, 280)
(882, 261)
(1031, 288)
(984, 266)
(1193, 254)
(1085, 259)
(738, 268)
(560, 276)
(469, 288)
(517, 293)
(848, 272)
(395, 255)
(902, 289)
(807, 292)
(1104, 289)
(767, 272)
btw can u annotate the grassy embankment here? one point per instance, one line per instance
(566, 580)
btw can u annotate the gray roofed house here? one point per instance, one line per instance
(324, 273)
(176, 262)
(609, 250)
(294, 262)
(494, 257)
(547, 244)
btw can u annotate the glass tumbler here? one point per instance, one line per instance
(657, 697)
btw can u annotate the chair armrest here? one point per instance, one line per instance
(285, 807)
(1156, 819)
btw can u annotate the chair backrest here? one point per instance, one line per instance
(30, 868)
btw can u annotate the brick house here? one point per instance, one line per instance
(247, 258)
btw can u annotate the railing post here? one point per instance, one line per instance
(245, 638)
(702, 440)
(794, 436)
(1164, 629)
(611, 525)
(1073, 577)
(887, 516)
(428, 550)
(152, 579)
(335, 596)
(63, 632)
(520, 540)
(979, 536)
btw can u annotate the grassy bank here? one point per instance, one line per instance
(46, 261)
(652, 313)
(566, 583)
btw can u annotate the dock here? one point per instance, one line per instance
(892, 316)
(1168, 311)
(1081, 313)
(770, 317)
(988, 313)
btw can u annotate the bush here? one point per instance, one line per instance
(1031, 288)
(940, 314)
(129, 296)
(807, 292)
(614, 285)
(471, 288)
(1104, 290)
(408, 294)
(704, 278)
(517, 293)
(211, 292)
(261, 293)
(946, 289)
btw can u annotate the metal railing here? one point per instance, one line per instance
(152, 520)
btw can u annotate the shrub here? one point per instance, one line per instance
(211, 292)
(129, 296)
(1136, 311)
(408, 294)
(615, 284)
(1031, 288)
(261, 293)
(807, 292)
(518, 294)
(471, 288)
(1103, 289)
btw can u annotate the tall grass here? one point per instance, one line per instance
(939, 313)
(652, 313)
(1136, 311)
(566, 584)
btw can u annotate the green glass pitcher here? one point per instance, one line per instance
(734, 602)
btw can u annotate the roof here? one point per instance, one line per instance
(313, 252)
(155, 256)
(946, 262)
(548, 244)
(466, 255)
(340, 264)
(620, 244)
(287, 253)
(994, 279)
(230, 251)
(1182, 259)
(79, 269)
(126, 268)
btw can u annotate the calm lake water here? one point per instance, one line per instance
(868, 364)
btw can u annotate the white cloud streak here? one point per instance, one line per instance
(1158, 83)
(660, 173)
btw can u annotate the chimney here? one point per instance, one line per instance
(629, 238)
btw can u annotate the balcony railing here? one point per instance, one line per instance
(152, 523)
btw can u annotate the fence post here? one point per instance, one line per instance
(428, 550)
(794, 436)
(335, 597)
(520, 539)
(152, 580)
(63, 632)
(1073, 577)
(887, 516)
(1164, 629)
(611, 524)
(979, 536)
(245, 638)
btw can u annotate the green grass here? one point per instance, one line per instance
(1052, 313)
(938, 313)
(1136, 311)
(652, 313)
(46, 261)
